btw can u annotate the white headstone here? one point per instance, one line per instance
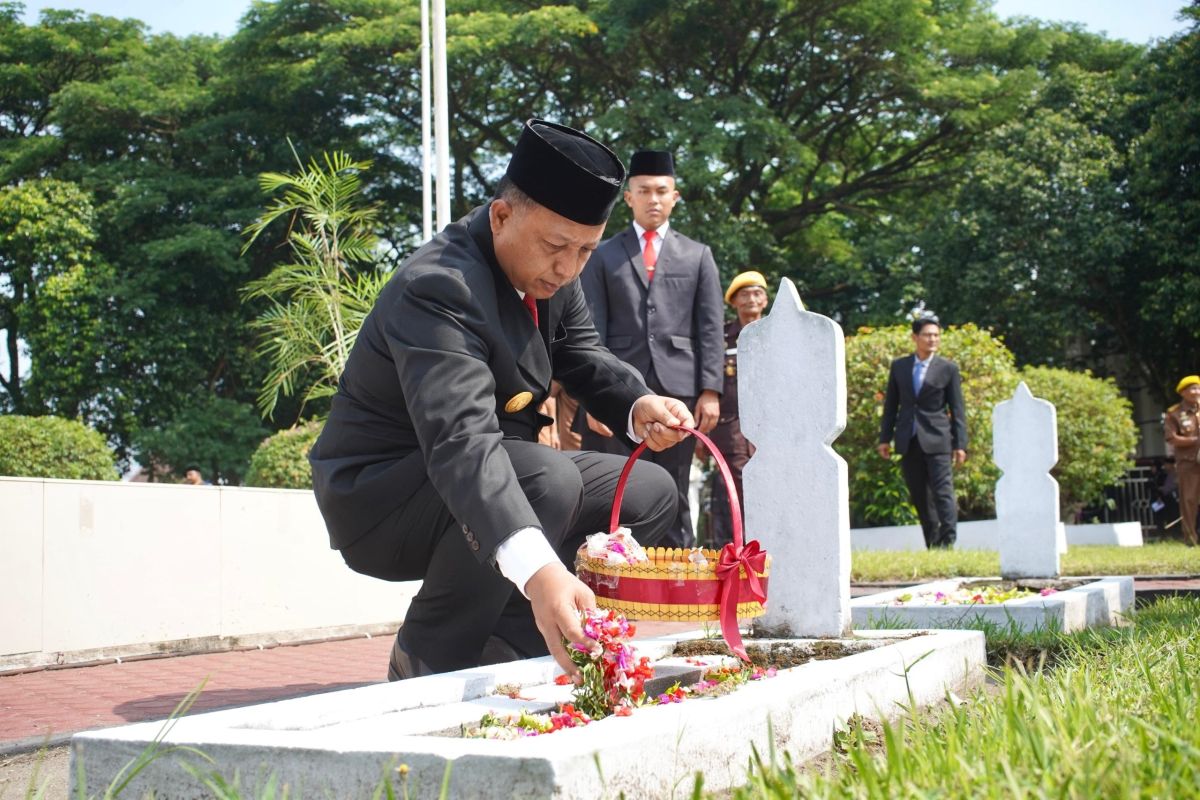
(1025, 448)
(792, 404)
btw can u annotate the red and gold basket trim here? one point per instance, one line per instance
(695, 590)
(665, 562)
(673, 612)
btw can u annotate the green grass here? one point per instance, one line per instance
(1164, 558)
(1115, 718)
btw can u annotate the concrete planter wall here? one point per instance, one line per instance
(1099, 602)
(339, 744)
(96, 569)
(984, 534)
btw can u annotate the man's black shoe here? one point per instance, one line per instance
(403, 666)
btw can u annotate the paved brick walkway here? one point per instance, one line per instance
(50, 705)
(55, 703)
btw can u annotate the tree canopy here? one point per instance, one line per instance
(1033, 179)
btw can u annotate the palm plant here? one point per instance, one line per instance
(319, 299)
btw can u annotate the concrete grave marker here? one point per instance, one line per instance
(1025, 448)
(792, 404)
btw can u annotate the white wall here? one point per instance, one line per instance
(983, 534)
(94, 567)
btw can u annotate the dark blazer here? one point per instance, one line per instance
(941, 417)
(673, 323)
(446, 347)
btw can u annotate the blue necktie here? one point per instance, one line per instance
(918, 373)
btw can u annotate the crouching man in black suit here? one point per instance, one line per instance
(429, 466)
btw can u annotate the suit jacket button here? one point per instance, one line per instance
(474, 545)
(466, 530)
(651, 337)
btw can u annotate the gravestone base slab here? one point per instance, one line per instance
(1097, 602)
(341, 744)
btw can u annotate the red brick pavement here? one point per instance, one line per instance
(56, 702)
(52, 704)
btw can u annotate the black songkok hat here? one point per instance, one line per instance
(566, 171)
(652, 162)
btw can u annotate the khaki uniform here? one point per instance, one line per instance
(728, 438)
(1181, 426)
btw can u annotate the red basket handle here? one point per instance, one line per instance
(734, 558)
(735, 509)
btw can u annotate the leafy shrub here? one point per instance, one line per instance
(1096, 432)
(52, 447)
(281, 461)
(214, 433)
(878, 495)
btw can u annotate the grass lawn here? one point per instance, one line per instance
(1164, 558)
(1116, 717)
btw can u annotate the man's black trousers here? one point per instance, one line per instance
(463, 601)
(931, 489)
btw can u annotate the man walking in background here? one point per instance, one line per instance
(923, 409)
(655, 298)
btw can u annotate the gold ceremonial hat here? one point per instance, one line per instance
(1186, 382)
(748, 278)
(518, 401)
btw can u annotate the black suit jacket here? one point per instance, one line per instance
(446, 347)
(939, 412)
(673, 323)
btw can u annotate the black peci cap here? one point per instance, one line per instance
(652, 162)
(566, 171)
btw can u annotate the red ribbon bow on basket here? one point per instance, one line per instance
(729, 568)
(734, 556)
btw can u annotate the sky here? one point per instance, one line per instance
(1133, 20)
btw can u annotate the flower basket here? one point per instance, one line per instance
(684, 585)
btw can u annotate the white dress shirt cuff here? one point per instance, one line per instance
(629, 428)
(522, 554)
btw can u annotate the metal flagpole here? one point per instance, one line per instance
(441, 127)
(426, 113)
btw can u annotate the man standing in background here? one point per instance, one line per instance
(655, 298)
(1182, 428)
(747, 293)
(923, 408)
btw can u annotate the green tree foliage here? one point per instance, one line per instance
(38, 61)
(792, 122)
(51, 285)
(1096, 433)
(1035, 241)
(317, 301)
(825, 141)
(1164, 180)
(281, 461)
(877, 492)
(1037, 234)
(52, 447)
(215, 433)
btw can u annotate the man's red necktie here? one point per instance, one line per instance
(649, 257)
(531, 304)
